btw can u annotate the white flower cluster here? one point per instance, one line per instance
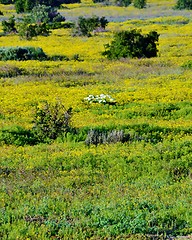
(102, 98)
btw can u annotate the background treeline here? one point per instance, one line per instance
(27, 5)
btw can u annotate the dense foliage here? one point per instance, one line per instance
(51, 121)
(6, 1)
(139, 3)
(21, 53)
(9, 25)
(85, 26)
(184, 4)
(132, 44)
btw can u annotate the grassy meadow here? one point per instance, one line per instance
(65, 189)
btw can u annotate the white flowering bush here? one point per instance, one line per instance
(102, 98)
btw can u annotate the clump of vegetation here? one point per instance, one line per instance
(9, 26)
(97, 136)
(6, 1)
(132, 44)
(184, 4)
(51, 120)
(21, 53)
(28, 5)
(44, 14)
(187, 65)
(85, 26)
(29, 31)
(18, 136)
(10, 71)
(39, 22)
(139, 3)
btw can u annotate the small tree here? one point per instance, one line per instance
(46, 14)
(184, 4)
(139, 3)
(132, 44)
(51, 120)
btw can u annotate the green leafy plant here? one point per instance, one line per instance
(184, 4)
(21, 53)
(139, 3)
(44, 14)
(17, 136)
(6, 1)
(9, 26)
(29, 31)
(132, 44)
(85, 26)
(51, 120)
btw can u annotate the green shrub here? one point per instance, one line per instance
(29, 31)
(51, 121)
(44, 14)
(6, 1)
(21, 53)
(132, 44)
(139, 3)
(187, 65)
(85, 26)
(17, 136)
(9, 26)
(184, 4)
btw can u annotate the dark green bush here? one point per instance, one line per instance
(17, 136)
(132, 44)
(6, 1)
(29, 31)
(44, 14)
(187, 65)
(184, 4)
(85, 26)
(9, 26)
(51, 121)
(139, 3)
(21, 53)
